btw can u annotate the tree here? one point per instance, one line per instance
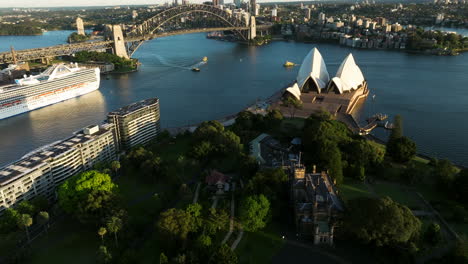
(461, 187)
(114, 225)
(115, 166)
(9, 220)
(182, 163)
(217, 220)
(224, 255)
(177, 223)
(40, 203)
(152, 167)
(163, 259)
(273, 119)
(203, 241)
(397, 131)
(433, 235)
(445, 174)
(102, 232)
(334, 165)
(401, 149)
(42, 218)
(270, 182)
(380, 221)
(254, 211)
(104, 256)
(292, 103)
(77, 188)
(25, 207)
(24, 222)
(96, 206)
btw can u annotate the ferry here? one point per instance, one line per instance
(58, 83)
(195, 69)
(289, 64)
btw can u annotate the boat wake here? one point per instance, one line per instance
(164, 62)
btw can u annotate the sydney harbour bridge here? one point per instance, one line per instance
(183, 19)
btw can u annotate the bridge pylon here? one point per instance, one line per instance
(116, 35)
(252, 28)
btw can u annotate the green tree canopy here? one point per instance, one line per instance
(178, 223)
(9, 220)
(253, 212)
(77, 188)
(461, 187)
(381, 221)
(224, 255)
(401, 149)
(270, 182)
(292, 103)
(445, 173)
(216, 220)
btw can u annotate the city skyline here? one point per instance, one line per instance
(59, 3)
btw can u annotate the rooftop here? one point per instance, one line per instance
(134, 107)
(38, 156)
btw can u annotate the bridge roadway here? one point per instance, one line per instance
(69, 49)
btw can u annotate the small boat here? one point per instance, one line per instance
(288, 64)
(205, 59)
(195, 69)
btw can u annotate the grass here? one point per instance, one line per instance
(173, 148)
(397, 193)
(66, 242)
(353, 189)
(294, 121)
(259, 247)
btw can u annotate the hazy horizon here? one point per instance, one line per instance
(61, 3)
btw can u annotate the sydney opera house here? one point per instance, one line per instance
(317, 90)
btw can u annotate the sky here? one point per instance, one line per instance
(60, 3)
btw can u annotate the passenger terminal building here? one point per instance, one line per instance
(44, 169)
(316, 90)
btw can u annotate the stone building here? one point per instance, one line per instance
(316, 205)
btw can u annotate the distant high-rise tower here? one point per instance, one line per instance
(80, 26)
(215, 2)
(253, 7)
(307, 13)
(134, 14)
(322, 18)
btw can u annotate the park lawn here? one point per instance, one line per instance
(260, 247)
(171, 150)
(67, 242)
(298, 122)
(132, 186)
(397, 193)
(351, 189)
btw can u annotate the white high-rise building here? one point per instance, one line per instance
(307, 13)
(274, 12)
(321, 17)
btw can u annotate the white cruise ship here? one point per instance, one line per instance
(58, 83)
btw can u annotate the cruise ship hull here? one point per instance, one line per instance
(52, 97)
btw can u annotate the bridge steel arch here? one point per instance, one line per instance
(156, 22)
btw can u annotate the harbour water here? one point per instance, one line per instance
(430, 92)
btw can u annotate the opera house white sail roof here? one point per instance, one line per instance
(348, 77)
(295, 91)
(313, 67)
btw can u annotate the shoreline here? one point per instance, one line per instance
(432, 52)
